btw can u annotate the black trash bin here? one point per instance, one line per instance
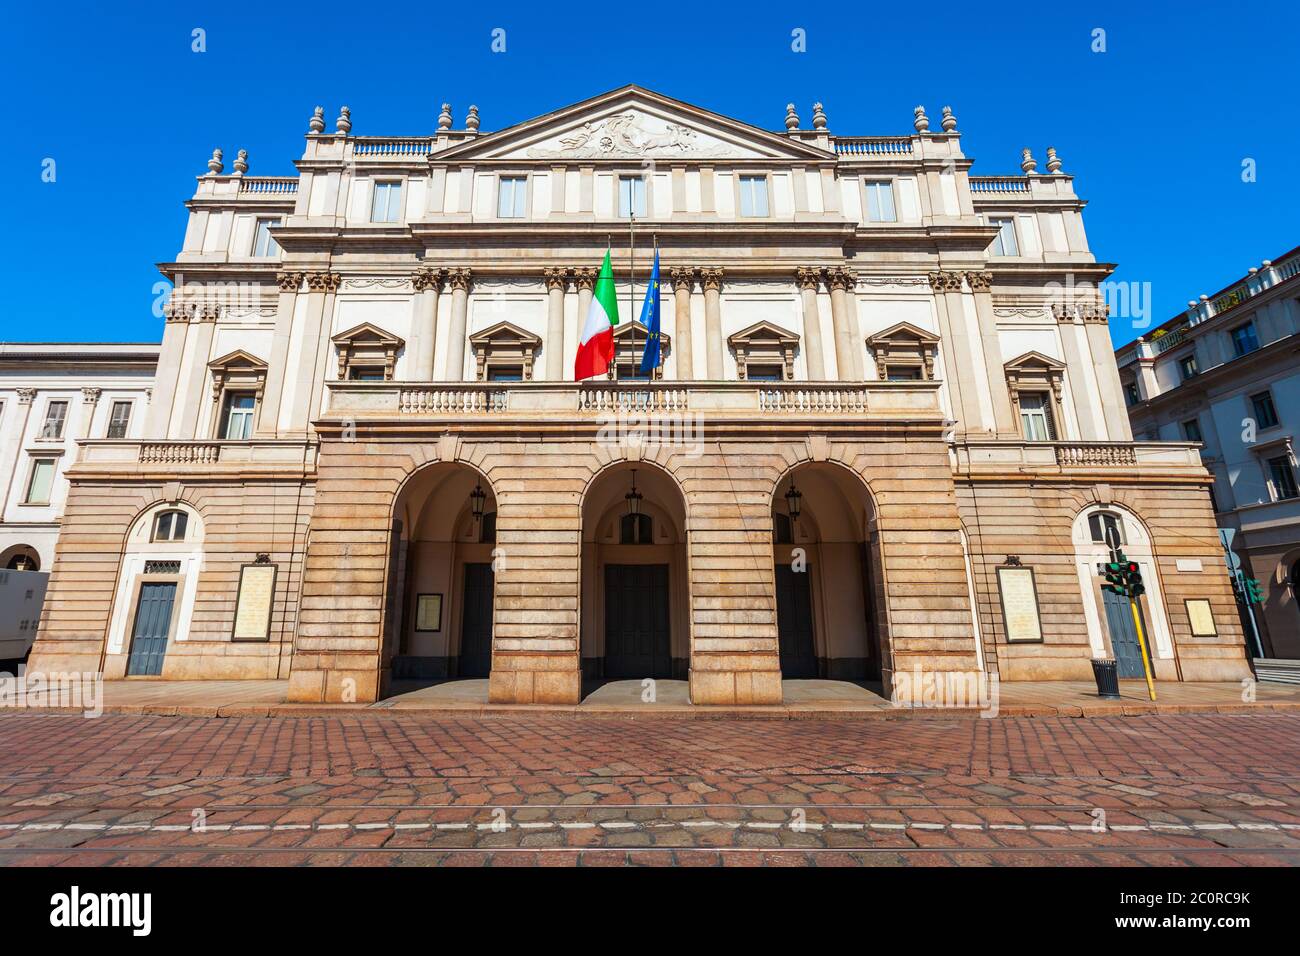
(1107, 675)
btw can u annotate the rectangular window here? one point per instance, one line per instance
(1004, 244)
(753, 195)
(512, 196)
(1265, 414)
(119, 420)
(40, 482)
(1244, 339)
(1192, 430)
(764, 373)
(237, 418)
(505, 373)
(1283, 477)
(880, 202)
(1131, 394)
(903, 373)
(263, 245)
(1036, 417)
(386, 206)
(631, 197)
(366, 373)
(1187, 367)
(56, 416)
(631, 371)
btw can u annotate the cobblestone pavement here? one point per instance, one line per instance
(1171, 790)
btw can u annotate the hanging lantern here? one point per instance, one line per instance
(477, 497)
(793, 502)
(633, 497)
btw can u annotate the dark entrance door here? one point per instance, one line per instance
(637, 640)
(153, 621)
(476, 622)
(1123, 635)
(794, 623)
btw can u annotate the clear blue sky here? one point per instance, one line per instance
(1155, 129)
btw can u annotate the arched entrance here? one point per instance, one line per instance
(439, 600)
(828, 583)
(635, 620)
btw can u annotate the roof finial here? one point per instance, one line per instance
(1053, 161)
(791, 117)
(344, 123)
(471, 121)
(1027, 161)
(214, 164)
(819, 116)
(444, 118)
(922, 122)
(241, 161)
(317, 122)
(949, 122)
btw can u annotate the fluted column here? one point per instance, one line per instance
(959, 361)
(177, 317)
(847, 360)
(1004, 419)
(428, 286)
(460, 282)
(683, 278)
(711, 279)
(813, 354)
(556, 281)
(321, 287)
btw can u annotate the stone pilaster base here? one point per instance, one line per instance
(519, 685)
(333, 686)
(727, 687)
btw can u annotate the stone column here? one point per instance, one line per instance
(847, 347)
(268, 421)
(683, 278)
(320, 287)
(201, 350)
(89, 401)
(1004, 419)
(808, 280)
(1096, 328)
(959, 361)
(712, 282)
(460, 282)
(556, 281)
(428, 285)
(585, 280)
(169, 370)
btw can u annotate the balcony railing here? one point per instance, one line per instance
(873, 145)
(269, 185)
(187, 456)
(999, 184)
(391, 145)
(1167, 341)
(977, 455)
(796, 399)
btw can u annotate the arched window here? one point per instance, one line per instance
(24, 560)
(170, 526)
(1100, 521)
(635, 529)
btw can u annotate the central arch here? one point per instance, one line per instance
(439, 599)
(635, 600)
(830, 593)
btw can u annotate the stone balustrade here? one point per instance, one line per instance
(977, 455)
(873, 145)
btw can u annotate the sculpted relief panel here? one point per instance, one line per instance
(630, 134)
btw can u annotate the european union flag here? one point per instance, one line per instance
(650, 319)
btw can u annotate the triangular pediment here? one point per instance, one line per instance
(365, 333)
(237, 359)
(637, 331)
(632, 124)
(763, 331)
(903, 332)
(505, 332)
(1034, 361)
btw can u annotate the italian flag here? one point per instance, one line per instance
(596, 346)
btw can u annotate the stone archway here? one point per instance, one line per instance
(635, 586)
(439, 598)
(827, 573)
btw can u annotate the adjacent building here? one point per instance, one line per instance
(51, 395)
(1226, 374)
(887, 439)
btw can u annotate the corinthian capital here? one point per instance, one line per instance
(289, 281)
(840, 278)
(90, 394)
(945, 281)
(711, 278)
(323, 281)
(428, 279)
(585, 278)
(979, 281)
(556, 278)
(459, 279)
(682, 277)
(807, 277)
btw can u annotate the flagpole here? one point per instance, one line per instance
(659, 365)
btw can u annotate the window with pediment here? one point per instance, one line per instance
(764, 352)
(367, 353)
(904, 352)
(1035, 383)
(238, 380)
(629, 346)
(504, 353)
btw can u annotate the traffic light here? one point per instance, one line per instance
(1254, 591)
(1123, 577)
(1134, 579)
(1114, 574)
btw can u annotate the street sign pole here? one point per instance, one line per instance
(1142, 643)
